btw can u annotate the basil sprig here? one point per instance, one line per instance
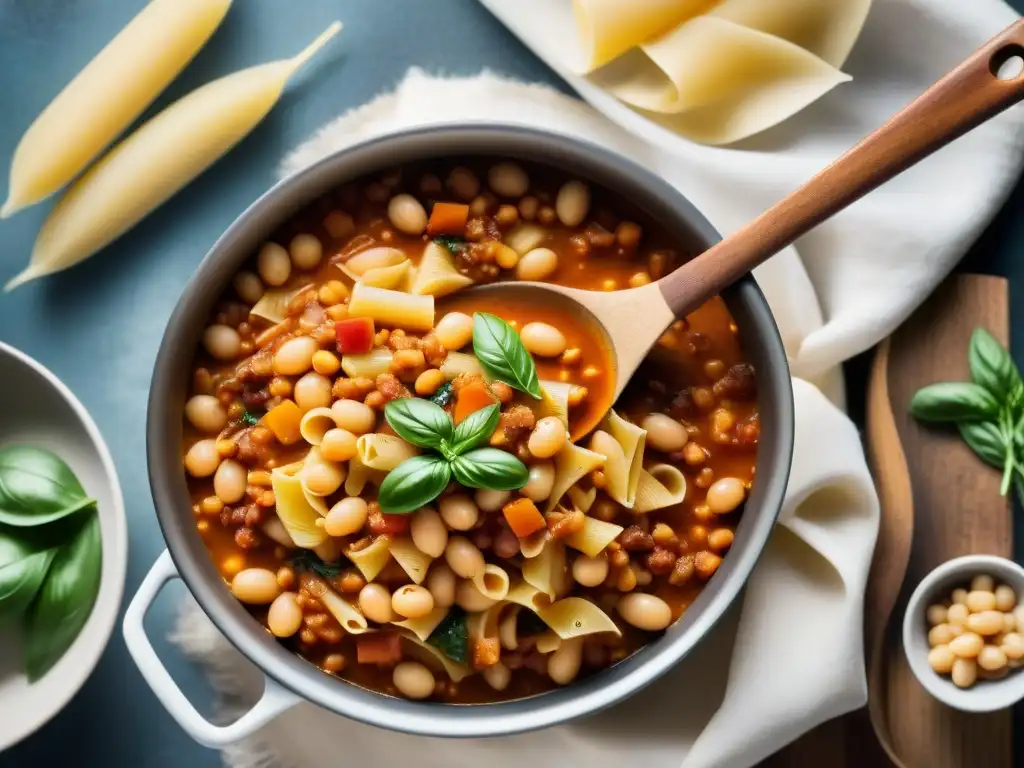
(421, 479)
(988, 411)
(503, 355)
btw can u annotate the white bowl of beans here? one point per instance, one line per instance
(962, 633)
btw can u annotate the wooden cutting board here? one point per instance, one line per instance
(938, 502)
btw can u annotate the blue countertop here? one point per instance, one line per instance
(98, 326)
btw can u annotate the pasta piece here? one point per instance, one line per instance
(351, 620)
(525, 237)
(437, 275)
(492, 582)
(316, 502)
(359, 475)
(609, 28)
(387, 277)
(424, 625)
(534, 544)
(554, 401)
(548, 642)
(575, 617)
(313, 458)
(528, 596)
(315, 424)
(392, 308)
(432, 657)
(582, 500)
(273, 305)
(616, 470)
(548, 572)
(383, 452)
(294, 511)
(371, 259)
(174, 147)
(482, 627)
(460, 362)
(508, 632)
(571, 463)
(595, 536)
(633, 440)
(413, 562)
(369, 365)
(660, 486)
(371, 560)
(107, 95)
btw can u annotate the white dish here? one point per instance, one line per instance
(984, 695)
(38, 409)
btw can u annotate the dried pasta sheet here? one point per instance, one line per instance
(716, 81)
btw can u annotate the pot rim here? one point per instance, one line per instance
(569, 154)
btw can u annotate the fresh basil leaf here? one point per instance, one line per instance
(490, 469)
(250, 418)
(954, 401)
(65, 601)
(475, 429)
(455, 245)
(24, 561)
(37, 487)
(451, 636)
(443, 396)
(986, 440)
(502, 354)
(991, 365)
(419, 422)
(413, 483)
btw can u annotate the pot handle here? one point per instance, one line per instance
(273, 702)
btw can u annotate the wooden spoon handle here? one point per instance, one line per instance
(966, 97)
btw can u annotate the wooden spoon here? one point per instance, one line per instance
(632, 320)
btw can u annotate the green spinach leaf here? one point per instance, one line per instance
(502, 354)
(443, 396)
(419, 422)
(991, 365)
(954, 401)
(491, 469)
(37, 487)
(475, 429)
(413, 483)
(451, 636)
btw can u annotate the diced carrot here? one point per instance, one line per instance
(486, 652)
(383, 648)
(472, 398)
(283, 420)
(448, 219)
(523, 517)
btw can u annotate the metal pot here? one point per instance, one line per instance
(290, 679)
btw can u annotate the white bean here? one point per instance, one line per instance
(295, 356)
(202, 458)
(313, 390)
(412, 601)
(441, 583)
(573, 203)
(284, 618)
(229, 481)
(980, 600)
(664, 433)
(471, 599)
(491, 501)
(454, 330)
(986, 622)
(725, 495)
(274, 264)
(428, 531)
(540, 481)
(964, 672)
(413, 680)
(941, 659)
(255, 586)
(983, 583)
(407, 215)
(358, 418)
(222, 342)
(275, 529)
(590, 571)
(646, 612)
(543, 339)
(248, 286)
(936, 615)
(547, 438)
(463, 183)
(564, 662)
(306, 251)
(375, 603)
(346, 517)
(991, 658)
(459, 512)
(508, 180)
(498, 676)
(1006, 598)
(206, 414)
(464, 557)
(966, 646)
(538, 264)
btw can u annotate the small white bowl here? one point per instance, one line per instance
(37, 408)
(984, 695)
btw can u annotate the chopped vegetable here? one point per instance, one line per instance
(383, 648)
(448, 219)
(443, 395)
(283, 420)
(451, 636)
(523, 517)
(455, 245)
(381, 524)
(355, 335)
(250, 418)
(471, 398)
(306, 560)
(486, 652)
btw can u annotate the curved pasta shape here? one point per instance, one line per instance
(571, 463)
(370, 259)
(273, 305)
(458, 363)
(359, 475)
(437, 275)
(582, 500)
(313, 458)
(528, 596)
(548, 572)
(391, 278)
(393, 308)
(482, 627)
(383, 452)
(369, 365)
(371, 560)
(633, 439)
(294, 511)
(548, 642)
(616, 469)
(316, 502)
(413, 562)
(315, 424)
(661, 486)
(609, 28)
(534, 544)
(424, 625)
(492, 582)
(595, 536)
(351, 620)
(432, 657)
(575, 617)
(508, 632)
(554, 401)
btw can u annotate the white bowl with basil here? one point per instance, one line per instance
(63, 545)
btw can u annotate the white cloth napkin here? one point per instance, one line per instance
(790, 654)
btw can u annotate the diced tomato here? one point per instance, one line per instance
(381, 524)
(354, 335)
(383, 648)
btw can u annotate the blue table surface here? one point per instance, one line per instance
(98, 326)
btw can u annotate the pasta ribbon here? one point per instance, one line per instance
(424, 625)
(661, 486)
(548, 572)
(633, 440)
(571, 463)
(347, 615)
(437, 275)
(575, 617)
(413, 562)
(432, 657)
(371, 560)
(371, 259)
(383, 452)
(298, 517)
(273, 305)
(595, 536)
